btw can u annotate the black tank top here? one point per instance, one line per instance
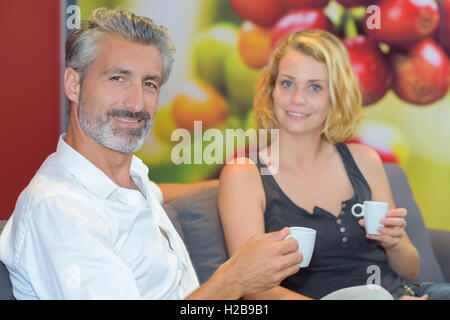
(343, 256)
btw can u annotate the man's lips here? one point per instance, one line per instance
(128, 122)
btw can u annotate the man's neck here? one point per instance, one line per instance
(115, 164)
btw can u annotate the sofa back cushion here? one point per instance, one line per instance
(430, 269)
(6, 292)
(199, 220)
(202, 231)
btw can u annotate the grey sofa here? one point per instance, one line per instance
(197, 220)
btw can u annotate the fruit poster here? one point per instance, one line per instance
(398, 48)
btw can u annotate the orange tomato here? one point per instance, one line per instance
(254, 45)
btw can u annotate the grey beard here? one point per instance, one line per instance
(101, 129)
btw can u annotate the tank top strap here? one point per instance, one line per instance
(357, 179)
(270, 186)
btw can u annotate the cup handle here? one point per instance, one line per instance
(358, 215)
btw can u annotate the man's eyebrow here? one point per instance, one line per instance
(127, 72)
(154, 77)
(117, 70)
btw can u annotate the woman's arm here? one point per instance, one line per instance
(241, 203)
(402, 256)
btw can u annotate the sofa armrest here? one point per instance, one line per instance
(440, 240)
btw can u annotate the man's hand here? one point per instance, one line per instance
(264, 261)
(260, 264)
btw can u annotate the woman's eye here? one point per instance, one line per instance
(287, 83)
(315, 87)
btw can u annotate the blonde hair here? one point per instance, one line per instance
(345, 96)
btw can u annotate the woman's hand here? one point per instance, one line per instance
(393, 229)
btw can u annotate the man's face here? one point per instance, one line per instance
(119, 94)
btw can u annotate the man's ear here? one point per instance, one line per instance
(72, 84)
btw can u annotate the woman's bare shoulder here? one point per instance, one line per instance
(363, 155)
(240, 170)
(240, 180)
(367, 160)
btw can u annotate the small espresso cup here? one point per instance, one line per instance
(373, 212)
(306, 239)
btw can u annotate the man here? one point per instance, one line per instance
(89, 226)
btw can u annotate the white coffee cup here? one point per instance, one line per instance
(306, 239)
(373, 212)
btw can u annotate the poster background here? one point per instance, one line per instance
(418, 137)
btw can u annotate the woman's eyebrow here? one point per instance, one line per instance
(309, 80)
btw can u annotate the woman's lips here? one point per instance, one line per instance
(297, 115)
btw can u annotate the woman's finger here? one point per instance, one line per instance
(399, 212)
(393, 232)
(393, 222)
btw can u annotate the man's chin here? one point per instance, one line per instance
(124, 145)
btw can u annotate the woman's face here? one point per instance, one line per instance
(301, 97)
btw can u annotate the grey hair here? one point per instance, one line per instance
(81, 48)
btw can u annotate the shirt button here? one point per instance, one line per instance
(338, 221)
(342, 229)
(344, 239)
(343, 205)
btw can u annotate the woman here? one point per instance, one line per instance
(310, 94)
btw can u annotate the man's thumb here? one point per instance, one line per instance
(277, 235)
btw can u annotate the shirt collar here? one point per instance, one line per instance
(94, 179)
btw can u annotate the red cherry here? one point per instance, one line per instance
(262, 12)
(302, 4)
(371, 66)
(404, 22)
(444, 26)
(356, 3)
(421, 76)
(299, 20)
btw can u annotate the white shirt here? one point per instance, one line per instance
(75, 234)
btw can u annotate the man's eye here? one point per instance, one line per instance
(151, 85)
(117, 78)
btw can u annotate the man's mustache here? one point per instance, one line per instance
(142, 115)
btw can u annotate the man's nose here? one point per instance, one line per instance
(134, 100)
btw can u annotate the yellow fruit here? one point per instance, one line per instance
(164, 124)
(198, 101)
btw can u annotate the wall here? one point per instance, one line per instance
(29, 87)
